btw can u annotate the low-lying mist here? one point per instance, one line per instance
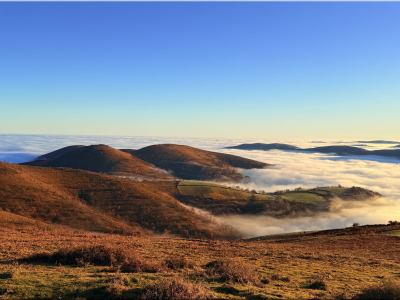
(293, 170)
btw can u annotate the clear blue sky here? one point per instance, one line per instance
(269, 69)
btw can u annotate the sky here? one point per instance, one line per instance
(201, 69)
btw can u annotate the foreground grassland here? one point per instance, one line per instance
(332, 266)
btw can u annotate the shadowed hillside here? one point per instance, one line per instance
(100, 158)
(58, 152)
(98, 202)
(191, 163)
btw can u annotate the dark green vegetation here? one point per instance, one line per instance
(339, 150)
(220, 199)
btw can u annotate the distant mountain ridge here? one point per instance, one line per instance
(261, 146)
(339, 150)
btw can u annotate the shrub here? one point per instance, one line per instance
(138, 264)
(6, 275)
(180, 262)
(100, 255)
(387, 290)
(319, 282)
(116, 285)
(229, 270)
(178, 289)
(280, 278)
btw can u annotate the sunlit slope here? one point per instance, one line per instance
(101, 158)
(282, 236)
(10, 220)
(98, 202)
(211, 190)
(220, 199)
(187, 162)
(47, 195)
(389, 229)
(218, 191)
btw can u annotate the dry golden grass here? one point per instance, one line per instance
(178, 289)
(233, 271)
(90, 201)
(386, 290)
(349, 263)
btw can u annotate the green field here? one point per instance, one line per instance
(303, 197)
(392, 232)
(324, 190)
(212, 190)
(205, 189)
(280, 236)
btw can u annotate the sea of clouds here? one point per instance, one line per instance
(289, 170)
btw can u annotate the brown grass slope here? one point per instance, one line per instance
(101, 158)
(98, 202)
(39, 195)
(191, 163)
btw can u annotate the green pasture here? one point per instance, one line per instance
(202, 189)
(392, 232)
(281, 236)
(303, 197)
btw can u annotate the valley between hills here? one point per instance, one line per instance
(94, 222)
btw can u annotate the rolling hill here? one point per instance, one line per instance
(220, 199)
(91, 201)
(186, 162)
(100, 158)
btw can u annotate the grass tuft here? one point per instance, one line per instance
(279, 277)
(387, 290)
(233, 271)
(180, 262)
(178, 289)
(138, 264)
(319, 282)
(98, 255)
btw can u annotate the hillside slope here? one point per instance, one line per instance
(100, 158)
(97, 202)
(191, 163)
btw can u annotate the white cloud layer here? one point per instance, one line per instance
(290, 170)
